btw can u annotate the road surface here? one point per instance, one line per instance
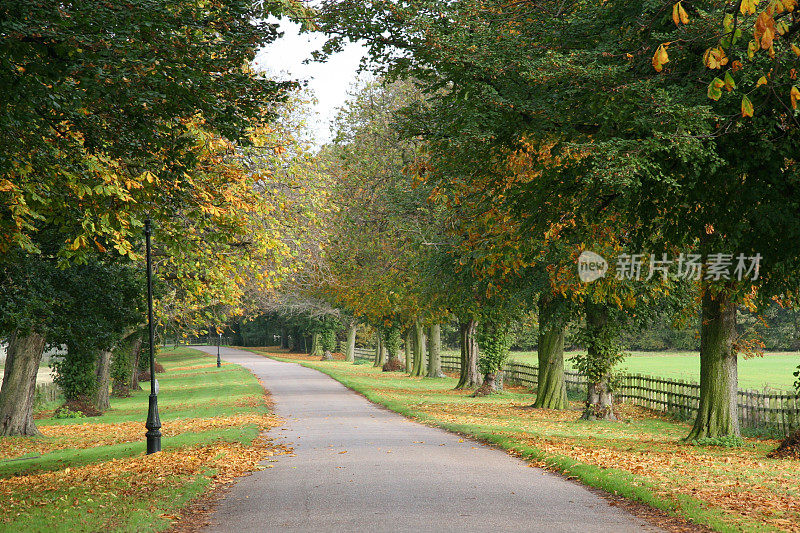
(360, 467)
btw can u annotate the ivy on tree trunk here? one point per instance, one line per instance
(602, 353)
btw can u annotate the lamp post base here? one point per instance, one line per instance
(153, 426)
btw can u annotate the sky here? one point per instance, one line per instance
(328, 81)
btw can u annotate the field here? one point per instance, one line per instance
(643, 458)
(91, 474)
(774, 370)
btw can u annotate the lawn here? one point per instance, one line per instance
(643, 458)
(773, 370)
(91, 474)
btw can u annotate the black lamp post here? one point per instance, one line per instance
(219, 341)
(153, 423)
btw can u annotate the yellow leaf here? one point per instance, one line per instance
(761, 81)
(676, 17)
(789, 5)
(660, 58)
(747, 107)
(794, 95)
(748, 7)
(684, 14)
(752, 48)
(796, 50)
(715, 58)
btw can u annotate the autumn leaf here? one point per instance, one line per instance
(729, 83)
(764, 30)
(761, 81)
(679, 15)
(747, 107)
(748, 7)
(715, 89)
(752, 48)
(794, 95)
(660, 58)
(715, 58)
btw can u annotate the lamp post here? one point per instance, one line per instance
(153, 423)
(219, 341)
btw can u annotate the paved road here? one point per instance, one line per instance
(359, 467)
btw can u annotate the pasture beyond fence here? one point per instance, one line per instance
(778, 413)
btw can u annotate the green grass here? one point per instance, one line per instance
(90, 505)
(774, 370)
(496, 420)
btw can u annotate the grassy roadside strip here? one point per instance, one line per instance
(91, 474)
(726, 489)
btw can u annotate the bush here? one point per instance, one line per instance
(65, 412)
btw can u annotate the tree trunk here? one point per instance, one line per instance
(284, 339)
(409, 350)
(419, 350)
(599, 398)
(435, 352)
(489, 386)
(469, 356)
(350, 350)
(316, 345)
(23, 356)
(717, 415)
(380, 350)
(101, 398)
(136, 352)
(551, 388)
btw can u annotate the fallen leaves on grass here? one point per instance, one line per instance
(137, 477)
(92, 435)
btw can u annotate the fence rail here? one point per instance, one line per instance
(47, 392)
(780, 412)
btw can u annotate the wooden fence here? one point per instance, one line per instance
(779, 412)
(47, 392)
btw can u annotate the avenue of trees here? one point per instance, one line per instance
(112, 114)
(503, 139)
(495, 143)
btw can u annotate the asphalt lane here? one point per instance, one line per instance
(359, 467)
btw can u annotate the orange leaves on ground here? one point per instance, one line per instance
(137, 477)
(90, 435)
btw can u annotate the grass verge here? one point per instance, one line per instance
(91, 474)
(642, 459)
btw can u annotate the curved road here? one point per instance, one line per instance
(359, 467)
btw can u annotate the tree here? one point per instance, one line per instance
(435, 351)
(662, 155)
(551, 387)
(101, 101)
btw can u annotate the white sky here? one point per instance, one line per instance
(328, 81)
